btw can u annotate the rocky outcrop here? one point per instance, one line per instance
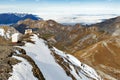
(110, 25)
(6, 61)
(7, 32)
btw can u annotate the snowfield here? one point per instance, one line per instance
(41, 54)
(46, 62)
(22, 70)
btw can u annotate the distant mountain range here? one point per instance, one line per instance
(10, 18)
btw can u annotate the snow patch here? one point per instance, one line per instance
(22, 70)
(2, 32)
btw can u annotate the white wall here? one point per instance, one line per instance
(15, 37)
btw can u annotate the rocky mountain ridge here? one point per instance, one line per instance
(96, 45)
(78, 40)
(111, 26)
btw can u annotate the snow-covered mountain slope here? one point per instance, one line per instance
(41, 54)
(6, 31)
(78, 70)
(22, 70)
(55, 64)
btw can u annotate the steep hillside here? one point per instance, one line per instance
(111, 26)
(7, 31)
(104, 56)
(6, 61)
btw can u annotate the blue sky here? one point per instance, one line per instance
(60, 7)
